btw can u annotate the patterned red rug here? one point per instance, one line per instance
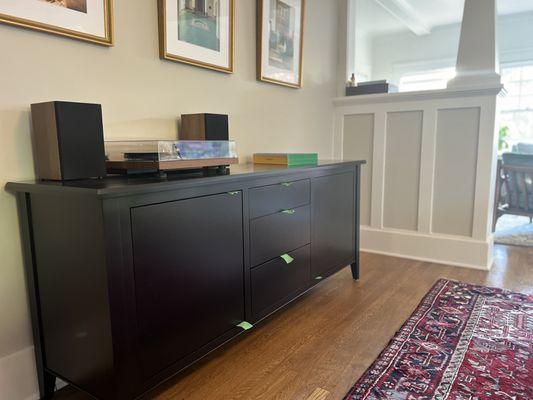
(463, 342)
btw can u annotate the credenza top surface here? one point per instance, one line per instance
(118, 185)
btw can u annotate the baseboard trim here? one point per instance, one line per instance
(438, 249)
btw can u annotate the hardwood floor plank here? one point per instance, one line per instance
(319, 394)
(324, 341)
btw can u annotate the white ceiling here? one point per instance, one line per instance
(373, 19)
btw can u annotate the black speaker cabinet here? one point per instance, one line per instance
(204, 127)
(68, 140)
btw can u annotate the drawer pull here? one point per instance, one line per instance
(289, 212)
(286, 184)
(245, 325)
(234, 193)
(287, 258)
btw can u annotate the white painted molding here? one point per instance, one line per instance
(478, 79)
(404, 12)
(438, 249)
(427, 169)
(424, 95)
(424, 244)
(485, 171)
(378, 169)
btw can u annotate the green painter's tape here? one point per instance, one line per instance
(286, 184)
(234, 193)
(245, 325)
(288, 259)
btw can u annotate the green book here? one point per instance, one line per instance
(289, 159)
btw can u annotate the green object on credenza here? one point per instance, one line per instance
(289, 159)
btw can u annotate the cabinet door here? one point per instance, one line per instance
(333, 241)
(189, 275)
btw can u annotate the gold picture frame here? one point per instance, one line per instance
(107, 40)
(166, 54)
(261, 46)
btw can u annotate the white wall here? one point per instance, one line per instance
(393, 55)
(142, 97)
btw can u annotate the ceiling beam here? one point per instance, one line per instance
(403, 11)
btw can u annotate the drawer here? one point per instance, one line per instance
(278, 233)
(276, 282)
(270, 199)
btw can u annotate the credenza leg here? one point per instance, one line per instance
(47, 386)
(355, 271)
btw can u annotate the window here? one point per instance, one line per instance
(517, 105)
(429, 80)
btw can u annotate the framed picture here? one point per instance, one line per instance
(89, 20)
(280, 34)
(197, 32)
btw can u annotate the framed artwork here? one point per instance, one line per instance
(89, 20)
(280, 36)
(197, 32)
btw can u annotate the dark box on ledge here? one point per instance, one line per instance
(371, 88)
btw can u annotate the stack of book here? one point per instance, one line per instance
(289, 159)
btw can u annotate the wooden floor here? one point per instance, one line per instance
(318, 346)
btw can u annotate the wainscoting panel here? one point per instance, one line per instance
(402, 170)
(359, 145)
(428, 189)
(455, 171)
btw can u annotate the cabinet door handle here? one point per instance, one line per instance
(289, 212)
(287, 258)
(234, 193)
(286, 184)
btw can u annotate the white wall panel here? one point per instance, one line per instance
(455, 171)
(402, 170)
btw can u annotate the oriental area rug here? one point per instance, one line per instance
(463, 342)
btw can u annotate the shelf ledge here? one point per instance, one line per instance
(473, 91)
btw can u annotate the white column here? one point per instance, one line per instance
(477, 61)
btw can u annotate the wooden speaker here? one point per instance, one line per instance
(204, 127)
(68, 140)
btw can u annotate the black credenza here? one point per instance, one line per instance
(131, 280)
